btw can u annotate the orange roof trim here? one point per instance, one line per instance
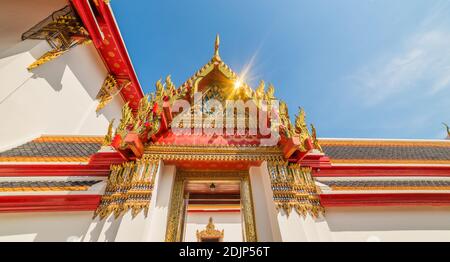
(43, 159)
(389, 161)
(401, 143)
(69, 139)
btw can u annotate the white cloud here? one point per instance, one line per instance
(424, 63)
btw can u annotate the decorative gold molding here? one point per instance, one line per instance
(173, 232)
(211, 153)
(247, 208)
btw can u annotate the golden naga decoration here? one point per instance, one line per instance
(294, 188)
(109, 136)
(314, 139)
(285, 121)
(130, 187)
(126, 120)
(147, 121)
(301, 129)
(210, 233)
(270, 95)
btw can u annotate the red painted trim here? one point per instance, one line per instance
(88, 20)
(106, 158)
(99, 165)
(53, 170)
(112, 26)
(43, 203)
(358, 171)
(392, 199)
(115, 52)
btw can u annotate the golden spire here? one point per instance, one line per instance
(216, 48)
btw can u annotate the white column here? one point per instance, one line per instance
(267, 227)
(156, 231)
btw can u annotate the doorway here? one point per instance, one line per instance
(211, 206)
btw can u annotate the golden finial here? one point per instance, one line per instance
(216, 48)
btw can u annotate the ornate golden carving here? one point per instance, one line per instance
(210, 232)
(106, 92)
(285, 122)
(62, 30)
(173, 232)
(130, 186)
(127, 119)
(247, 207)
(294, 188)
(48, 56)
(148, 120)
(108, 137)
(220, 153)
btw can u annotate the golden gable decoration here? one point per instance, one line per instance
(210, 233)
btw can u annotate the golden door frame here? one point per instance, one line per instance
(175, 219)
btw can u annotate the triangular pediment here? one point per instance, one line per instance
(256, 115)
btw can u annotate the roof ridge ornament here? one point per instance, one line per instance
(448, 130)
(216, 49)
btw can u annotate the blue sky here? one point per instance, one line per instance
(360, 68)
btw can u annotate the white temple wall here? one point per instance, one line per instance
(231, 223)
(44, 226)
(57, 98)
(387, 224)
(267, 227)
(362, 224)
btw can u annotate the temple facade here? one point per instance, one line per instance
(87, 156)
